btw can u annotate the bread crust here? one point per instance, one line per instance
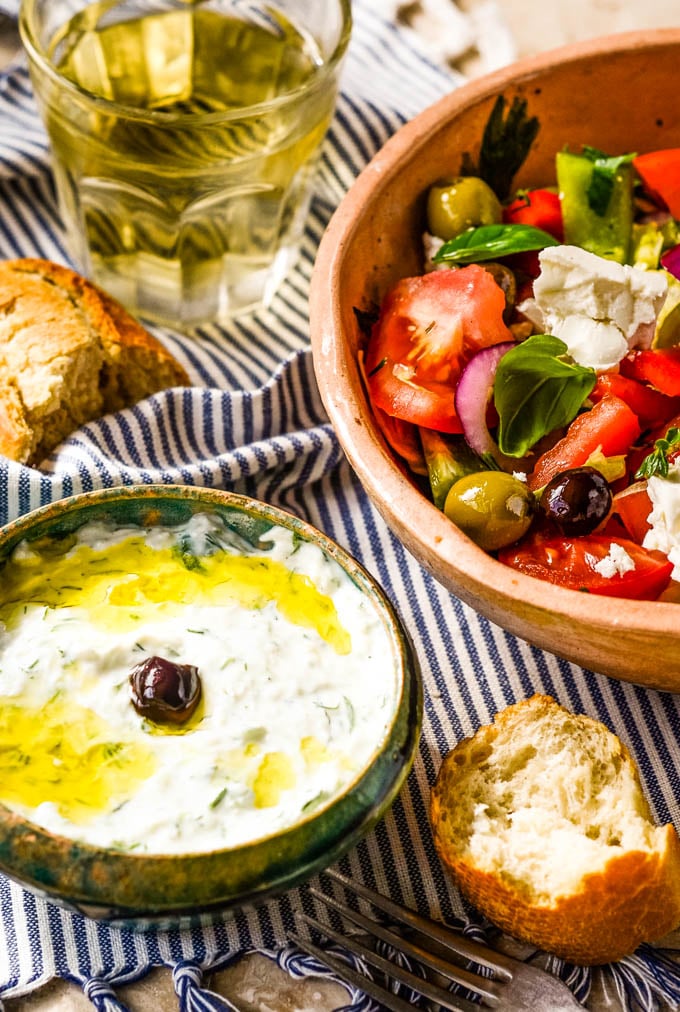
(634, 897)
(68, 354)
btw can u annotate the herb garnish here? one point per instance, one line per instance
(656, 462)
(315, 801)
(506, 142)
(379, 366)
(183, 552)
(218, 798)
(111, 749)
(538, 388)
(349, 712)
(489, 242)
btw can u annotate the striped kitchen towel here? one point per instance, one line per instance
(253, 421)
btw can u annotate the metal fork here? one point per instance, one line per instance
(512, 986)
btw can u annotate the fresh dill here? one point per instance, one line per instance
(217, 800)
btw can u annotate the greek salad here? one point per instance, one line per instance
(530, 376)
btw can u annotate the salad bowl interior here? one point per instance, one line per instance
(174, 880)
(616, 94)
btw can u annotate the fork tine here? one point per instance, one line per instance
(466, 948)
(421, 986)
(485, 987)
(347, 972)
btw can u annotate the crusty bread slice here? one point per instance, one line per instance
(68, 354)
(542, 820)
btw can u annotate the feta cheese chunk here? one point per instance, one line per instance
(616, 563)
(664, 534)
(599, 308)
(431, 246)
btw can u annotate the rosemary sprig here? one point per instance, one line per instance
(506, 142)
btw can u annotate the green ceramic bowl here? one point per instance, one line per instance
(145, 890)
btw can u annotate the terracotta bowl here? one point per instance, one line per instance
(618, 94)
(142, 890)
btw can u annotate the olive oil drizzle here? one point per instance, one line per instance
(61, 752)
(138, 579)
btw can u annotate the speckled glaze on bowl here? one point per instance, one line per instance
(146, 890)
(618, 94)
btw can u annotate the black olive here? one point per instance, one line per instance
(577, 500)
(163, 691)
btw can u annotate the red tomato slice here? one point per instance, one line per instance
(651, 406)
(428, 328)
(540, 208)
(610, 426)
(614, 528)
(570, 562)
(403, 438)
(660, 172)
(633, 505)
(658, 366)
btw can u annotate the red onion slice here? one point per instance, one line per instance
(473, 393)
(670, 261)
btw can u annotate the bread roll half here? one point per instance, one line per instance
(68, 354)
(542, 820)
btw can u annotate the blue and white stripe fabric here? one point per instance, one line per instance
(253, 421)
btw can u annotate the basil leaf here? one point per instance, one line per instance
(603, 179)
(538, 388)
(489, 242)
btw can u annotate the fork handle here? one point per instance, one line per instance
(503, 966)
(346, 972)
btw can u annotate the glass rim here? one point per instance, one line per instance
(38, 56)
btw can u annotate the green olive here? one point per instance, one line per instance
(493, 508)
(457, 204)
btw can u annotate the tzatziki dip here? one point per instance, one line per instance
(291, 665)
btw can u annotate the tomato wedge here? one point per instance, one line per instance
(660, 172)
(541, 208)
(610, 426)
(428, 328)
(658, 366)
(572, 562)
(651, 406)
(403, 438)
(633, 506)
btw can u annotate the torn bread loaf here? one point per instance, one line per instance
(541, 818)
(68, 354)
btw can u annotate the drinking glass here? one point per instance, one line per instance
(185, 135)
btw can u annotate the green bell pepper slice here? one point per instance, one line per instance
(603, 228)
